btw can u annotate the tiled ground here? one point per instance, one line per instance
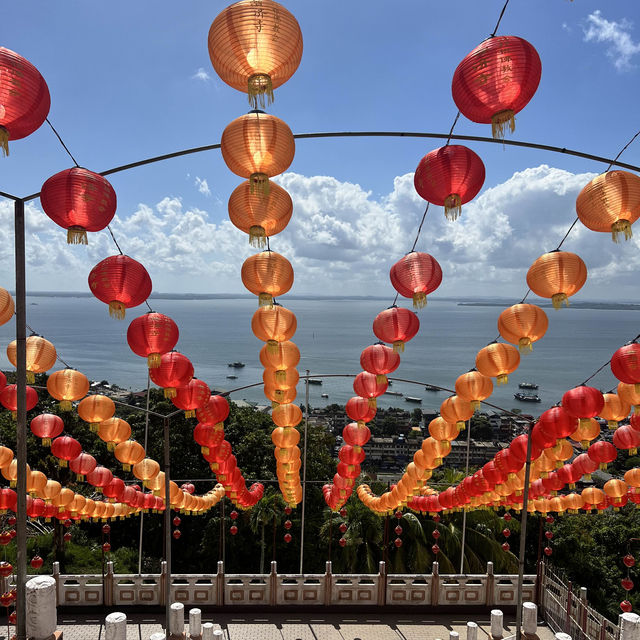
(308, 626)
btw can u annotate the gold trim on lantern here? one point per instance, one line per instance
(499, 122)
(453, 206)
(77, 235)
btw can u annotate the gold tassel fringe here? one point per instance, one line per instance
(31, 377)
(46, 442)
(79, 477)
(117, 310)
(111, 446)
(636, 409)
(257, 236)
(381, 379)
(584, 444)
(373, 403)
(153, 360)
(559, 299)
(525, 346)
(77, 235)
(260, 90)
(281, 376)
(453, 206)
(419, 300)
(65, 405)
(126, 467)
(265, 300)
(621, 226)
(93, 427)
(612, 424)
(272, 347)
(190, 413)
(464, 425)
(204, 450)
(499, 122)
(602, 466)
(475, 404)
(62, 462)
(398, 346)
(503, 378)
(170, 392)
(4, 141)
(259, 184)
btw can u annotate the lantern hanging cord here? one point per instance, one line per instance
(62, 142)
(58, 358)
(114, 239)
(608, 362)
(499, 19)
(455, 121)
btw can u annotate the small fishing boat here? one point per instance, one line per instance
(412, 399)
(312, 381)
(324, 395)
(232, 377)
(392, 393)
(527, 397)
(236, 365)
(430, 387)
(528, 385)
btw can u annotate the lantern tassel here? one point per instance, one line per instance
(77, 235)
(31, 377)
(153, 360)
(4, 141)
(281, 376)
(398, 346)
(265, 300)
(94, 426)
(419, 300)
(257, 236)
(272, 347)
(260, 90)
(612, 424)
(259, 184)
(170, 392)
(381, 379)
(65, 405)
(190, 413)
(452, 206)
(559, 299)
(503, 378)
(117, 310)
(46, 442)
(499, 122)
(621, 226)
(525, 346)
(584, 444)
(373, 403)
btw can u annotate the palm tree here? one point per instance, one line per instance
(269, 510)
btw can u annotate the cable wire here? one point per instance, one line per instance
(62, 142)
(495, 30)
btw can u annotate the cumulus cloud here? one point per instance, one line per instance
(342, 241)
(621, 48)
(203, 186)
(201, 75)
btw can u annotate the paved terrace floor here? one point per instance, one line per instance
(307, 626)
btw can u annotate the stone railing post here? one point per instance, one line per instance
(56, 577)
(454, 635)
(163, 579)
(583, 605)
(273, 584)
(195, 623)
(41, 607)
(530, 619)
(115, 626)
(220, 584)
(472, 631)
(562, 636)
(490, 585)
(435, 584)
(108, 585)
(207, 631)
(382, 584)
(629, 626)
(328, 583)
(176, 620)
(496, 624)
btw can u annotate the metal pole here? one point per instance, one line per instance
(304, 468)
(21, 423)
(146, 440)
(167, 528)
(224, 538)
(464, 513)
(523, 533)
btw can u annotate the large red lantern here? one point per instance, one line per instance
(9, 398)
(24, 97)
(175, 371)
(449, 176)
(625, 363)
(583, 402)
(121, 282)
(78, 200)
(208, 435)
(396, 325)
(192, 396)
(558, 422)
(216, 410)
(415, 276)
(360, 410)
(379, 359)
(366, 385)
(496, 80)
(602, 452)
(46, 426)
(82, 465)
(151, 335)
(65, 448)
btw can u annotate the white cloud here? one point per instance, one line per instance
(202, 75)
(622, 48)
(203, 186)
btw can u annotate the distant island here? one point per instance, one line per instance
(615, 306)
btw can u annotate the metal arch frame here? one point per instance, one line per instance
(20, 278)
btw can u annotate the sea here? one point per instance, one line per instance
(331, 334)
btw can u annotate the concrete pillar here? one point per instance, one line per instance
(472, 631)
(629, 626)
(496, 623)
(176, 619)
(529, 618)
(562, 636)
(41, 607)
(218, 635)
(207, 631)
(161, 635)
(195, 623)
(454, 635)
(115, 626)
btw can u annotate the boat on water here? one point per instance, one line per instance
(312, 381)
(324, 395)
(527, 397)
(232, 377)
(392, 393)
(236, 365)
(528, 385)
(430, 387)
(412, 399)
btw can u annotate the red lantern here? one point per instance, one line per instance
(396, 326)
(358, 436)
(342, 542)
(65, 448)
(360, 410)
(216, 410)
(36, 562)
(9, 395)
(208, 436)
(46, 426)
(188, 487)
(151, 335)
(415, 276)
(194, 395)
(121, 282)
(379, 359)
(366, 385)
(6, 569)
(602, 452)
(67, 537)
(287, 538)
(629, 560)
(114, 490)
(449, 176)
(583, 402)
(100, 477)
(496, 80)
(548, 551)
(625, 363)
(351, 455)
(82, 465)
(626, 437)
(24, 97)
(558, 422)
(177, 534)
(8, 499)
(175, 371)
(106, 529)
(506, 546)
(78, 200)
(106, 547)
(35, 507)
(233, 530)
(626, 606)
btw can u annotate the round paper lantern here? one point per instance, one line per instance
(630, 394)
(449, 176)
(114, 490)
(441, 430)
(273, 324)
(65, 448)
(129, 453)
(194, 395)
(208, 435)
(456, 410)
(215, 411)
(497, 360)
(151, 335)
(602, 452)
(255, 48)
(415, 276)
(9, 398)
(96, 409)
(583, 402)
(614, 410)
(145, 470)
(627, 438)
(78, 200)
(280, 379)
(279, 396)
(585, 465)
(288, 415)
(175, 371)
(360, 410)
(625, 363)
(523, 324)
(285, 437)
(474, 387)
(41, 355)
(379, 359)
(284, 355)
(82, 465)
(496, 80)
(557, 275)
(396, 326)
(100, 478)
(67, 386)
(267, 275)
(610, 203)
(24, 97)
(121, 282)
(366, 385)
(260, 215)
(46, 426)
(356, 435)
(587, 430)
(7, 306)
(257, 146)
(113, 431)
(558, 422)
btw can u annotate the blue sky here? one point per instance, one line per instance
(131, 80)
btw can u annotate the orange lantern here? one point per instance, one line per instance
(615, 409)
(36, 482)
(67, 386)
(41, 356)
(255, 48)
(287, 415)
(280, 379)
(273, 324)
(114, 431)
(7, 306)
(10, 472)
(587, 430)
(610, 203)
(280, 396)
(632, 477)
(497, 360)
(456, 410)
(146, 470)
(285, 437)
(630, 394)
(523, 324)
(559, 453)
(285, 355)
(6, 456)
(474, 387)
(443, 431)
(615, 489)
(257, 146)
(267, 275)
(50, 491)
(96, 409)
(261, 216)
(557, 275)
(129, 453)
